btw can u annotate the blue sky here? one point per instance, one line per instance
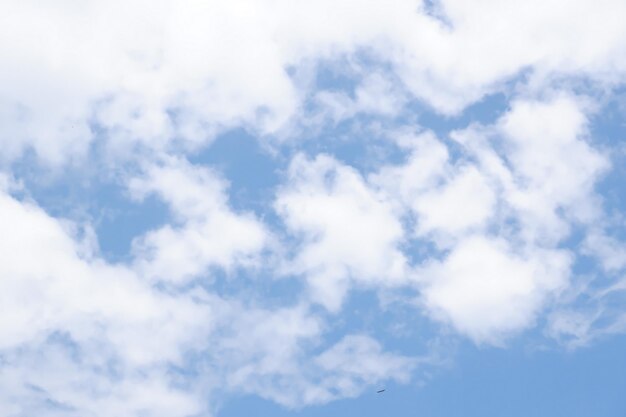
(262, 208)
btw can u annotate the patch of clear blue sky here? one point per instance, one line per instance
(252, 171)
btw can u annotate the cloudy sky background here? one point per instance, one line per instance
(274, 207)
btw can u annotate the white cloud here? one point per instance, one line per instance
(146, 72)
(349, 233)
(210, 233)
(465, 202)
(609, 250)
(447, 200)
(498, 212)
(344, 370)
(357, 361)
(158, 73)
(543, 195)
(425, 169)
(545, 192)
(592, 313)
(105, 315)
(488, 292)
(375, 95)
(48, 380)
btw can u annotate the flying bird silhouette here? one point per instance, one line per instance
(379, 391)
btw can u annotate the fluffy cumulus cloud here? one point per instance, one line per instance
(75, 329)
(209, 233)
(392, 174)
(498, 213)
(486, 291)
(349, 234)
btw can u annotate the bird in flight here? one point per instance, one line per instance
(379, 391)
